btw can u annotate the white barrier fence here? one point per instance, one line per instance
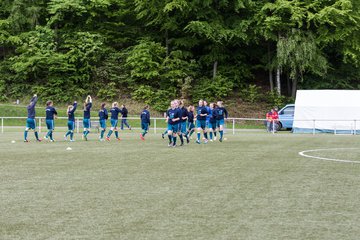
(232, 125)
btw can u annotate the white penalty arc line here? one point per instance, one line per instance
(303, 153)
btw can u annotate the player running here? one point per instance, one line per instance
(115, 110)
(183, 123)
(145, 122)
(124, 113)
(221, 112)
(86, 120)
(172, 119)
(212, 121)
(191, 126)
(30, 121)
(71, 121)
(103, 116)
(201, 121)
(50, 124)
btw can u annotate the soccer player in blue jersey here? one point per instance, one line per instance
(209, 113)
(124, 113)
(103, 116)
(115, 110)
(201, 121)
(212, 121)
(221, 114)
(86, 120)
(172, 120)
(71, 121)
(166, 131)
(191, 126)
(50, 115)
(183, 123)
(145, 122)
(30, 121)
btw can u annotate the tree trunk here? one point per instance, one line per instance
(288, 83)
(294, 87)
(270, 70)
(215, 69)
(278, 81)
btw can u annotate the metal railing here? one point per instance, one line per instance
(232, 125)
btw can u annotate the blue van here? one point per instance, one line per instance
(286, 116)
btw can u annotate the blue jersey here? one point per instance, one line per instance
(103, 114)
(145, 116)
(71, 114)
(124, 112)
(173, 114)
(31, 108)
(115, 112)
(201, 110)
(208, 109)
(213, 115)
(50, 112)
(87, 110)
(183, 114)
(221, 112)
(191, 117)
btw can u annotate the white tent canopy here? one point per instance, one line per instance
(327, 111)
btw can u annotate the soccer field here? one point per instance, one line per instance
(252, 186)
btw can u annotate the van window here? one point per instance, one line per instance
(289, 110)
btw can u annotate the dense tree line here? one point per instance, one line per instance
(155, 50)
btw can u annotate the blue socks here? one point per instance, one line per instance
(36, 135)
(221, 134)
(102, 134)
(211, 135)
(109, 133)
(25, 134)
(116, 134)
(198, 136)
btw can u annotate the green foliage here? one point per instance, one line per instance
(274, 99)
(250, 94)
(212, 90)
(158, 99)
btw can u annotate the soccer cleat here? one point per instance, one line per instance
(39, 140)
(205, 141)
(118, 139)
(174, 145)
(85, 137)
(214, 138)
(170, 144)
(52, 140)
(129, 127)
(26, 140)
(46, 138)
(142, 137)
(107, 139)
(198, 142)
(65, 138)
(220, 139)
(163, 136)
(182, 144)
(72, 140)
(211, 140)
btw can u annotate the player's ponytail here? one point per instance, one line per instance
(69, 108)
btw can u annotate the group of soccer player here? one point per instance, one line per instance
(180, 121)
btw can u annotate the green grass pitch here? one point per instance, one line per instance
(252, 186)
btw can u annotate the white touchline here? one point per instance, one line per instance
(303, 153)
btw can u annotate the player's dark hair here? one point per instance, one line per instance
(146, 107)
(48, 103)
(103, 105)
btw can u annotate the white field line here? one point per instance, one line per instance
(303, 153)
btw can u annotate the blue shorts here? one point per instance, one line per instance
(201, 124)
(114, 123)
(50, 124)
(220, 122)
(173, 127)
(30, 123)
(102, 123)
(144, 126)
(183, 127)
(86, 123)
(191, 125)
(71, 125)
(212, 125)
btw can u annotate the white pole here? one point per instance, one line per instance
(77, 125)
(233, 126)
(314, 127)
(155, 125)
